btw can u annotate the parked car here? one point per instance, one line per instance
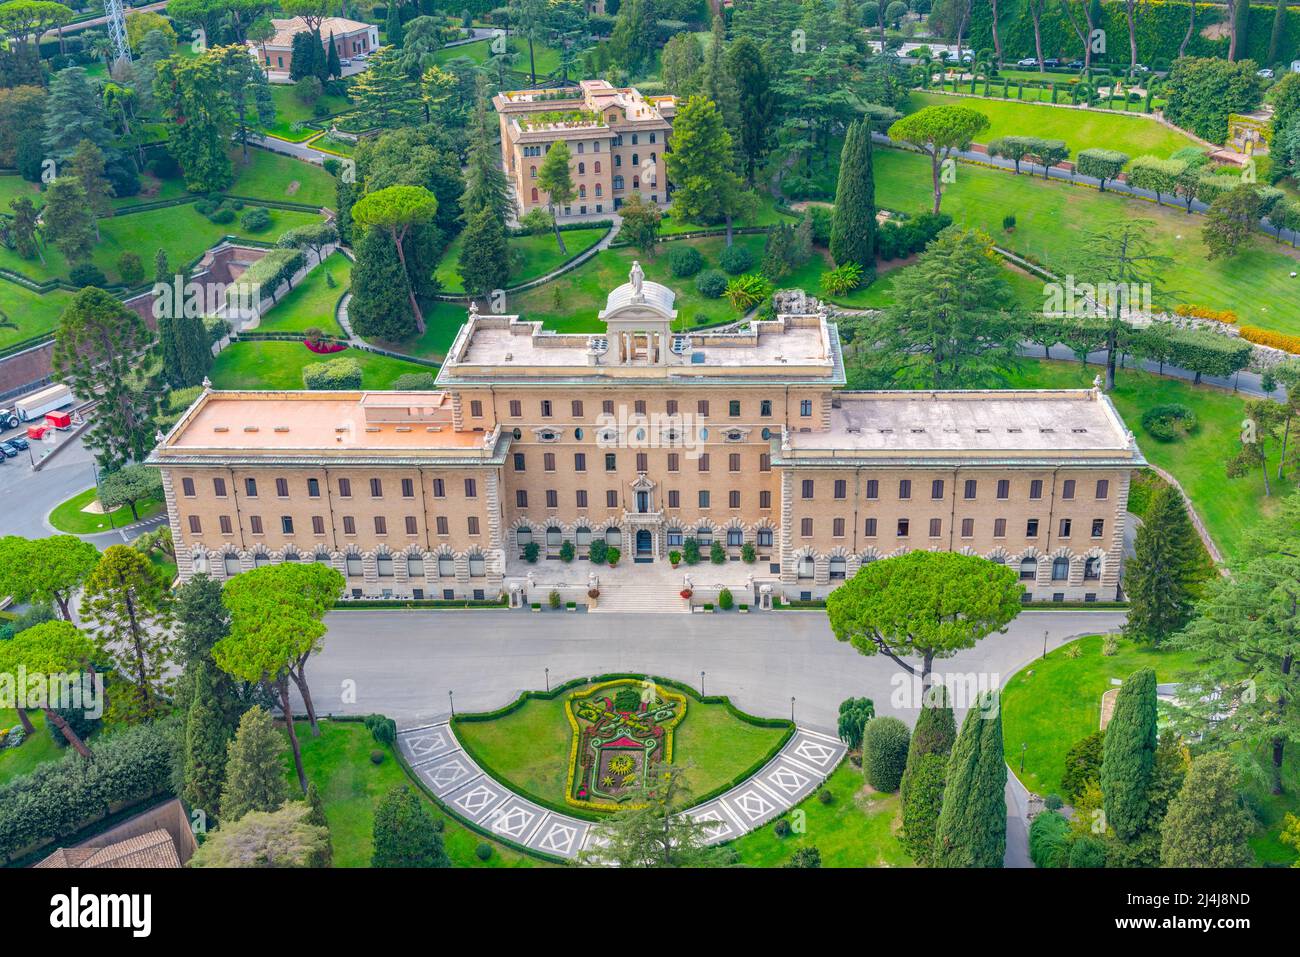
(19, 441)
(9, 449)
(1074, 65)
(1051, 63)
(362, 56)
(1266, 73)
(1027, 62)
(1140, 68)
(345, 62)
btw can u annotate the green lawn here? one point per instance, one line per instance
(1133, 133)
(289, 110)
(1056, 701)
(530, 747)
(278, 365)
(530, 256)
(1228, 506)
(278, 177)
(338, 763)
(857, 829)
(181, 230)
(547, 58)
(37, 748)
(13, 186)
(1051, 215)
(69, 517)
(765, 214)
(312, 301)
(27, 313)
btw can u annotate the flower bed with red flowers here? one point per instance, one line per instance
(323, 348)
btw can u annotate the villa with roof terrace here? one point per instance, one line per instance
(644, 436)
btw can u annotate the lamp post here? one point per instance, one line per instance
(701, 684)
(548, 679)
(792, 709)
(1024, 745)
(1045, 644)
(451, 699)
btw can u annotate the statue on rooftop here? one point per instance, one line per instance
(636, 277)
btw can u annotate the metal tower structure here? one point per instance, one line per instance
(115, 19)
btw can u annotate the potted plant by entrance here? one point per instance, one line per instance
(686, 593)
(612, 555)
(675, 558)
(592, 595)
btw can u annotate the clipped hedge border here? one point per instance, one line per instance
(364, 603)
(691, 694)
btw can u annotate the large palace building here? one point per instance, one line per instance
(616, 137)
(645, 437)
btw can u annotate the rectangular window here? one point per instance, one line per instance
(1067, 489)
(704, 498)
(439, 488)
(187, 487)
(226, 527)
(999, 528)
(219, 487)
(1103, 488)
(674, 498)
(733, 499)
(869, 528)
(286, 524)
(807, 487)
(873, 488)
(476, 408)
(576, 408)
(471, 522)
(841, 488)
(765, 499)
(250, 488)
(255, 524)
(837, 527)
(936, 489)
(1065, 528)
(1031, 528)
(196, 527)
(471, 488)
(345, 488)
(733, 462)
(672, 406)
(546, 408)
(1036, 489)
(642, 462)
(381, 525)
(674, 462)
(317, 525)
(440, 524)
(1004, 488)
(607, 406)
(905, 488)
(969, 490)
(579, 461)
(765, 408)
(903, 527)
(805, 408)
(376, 488)
(548, 461)
(702, 407)
(765, 462)
(521, 462)
(967, 527)
(638, 406)
(582, 498)
(521, 498)
(703, 462)
(611, 462)
(805, 527)
(516, 408)
(936, 527)
(1098, 526)
(611, 498)
(313, 488)
(733, 408)
(408, 488)
(552, 498)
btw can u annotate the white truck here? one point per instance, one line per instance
(33, 407)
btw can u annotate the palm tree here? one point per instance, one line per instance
(99, 44)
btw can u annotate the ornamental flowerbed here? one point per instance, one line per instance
(622, 730)
(323, 348)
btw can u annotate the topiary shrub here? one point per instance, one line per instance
(223, 216)
(382, 729)
(612, 555)
(854, 715)
(825, 796)
(414, 382)
(736, 260)
(685, 261)
(531, 551)
(781, 828)
(1048, 835)
(725, 600)
(711, 284)
(717, 554)
(87, 274)
(748, 553)
(884, 752)
(339, 373)
(483, 850)
(1053, 802)
(255, 219)
(1169, 422)
(554, 600)
(566, 551)
(598, 551)
(376, 756)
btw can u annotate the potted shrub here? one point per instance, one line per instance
(743, 609)
(708, 608)
(554, 599)
(691, 551)
(686, 593)
(537, 606)
(717, 554)
(566, 551)
(748, 553)
(675, 558)
(725, 599)
(570, 606)
(531, 551)
(593, 593)
(597, 551)
(612, 555)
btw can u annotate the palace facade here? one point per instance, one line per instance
(646, 436)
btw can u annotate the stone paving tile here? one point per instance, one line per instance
(448, 773)
(423, 744)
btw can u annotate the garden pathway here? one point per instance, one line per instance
(436, 756)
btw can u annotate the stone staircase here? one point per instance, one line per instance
(639, 600)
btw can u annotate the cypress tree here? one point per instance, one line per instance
(1162, 577)
(1129, 754)
(972, 828)
(169, 341)
(405, 835)
(317, 816)
(853, 228)
(922, 806)
(333, 66)
(393, 27)
(935, 732)
(162, 271)
(380, 307)
(254, 767)
(485, 181)
(484, 258)
(206, 739)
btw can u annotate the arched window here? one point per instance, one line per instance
(1028, 569)
(636, 160)
(291, 556)
(735, 537)
(260, 559)
(582, 536)
(532, 172)
(354, 566)
(231, 563)
(1092, 568)
(764, 538)
(384, 566)
(582, 192)
(806, 567)
(535, 194)
(477, 566)
(618, 182)
(414, 566)
(618, 160)
(446, 566)
(1060, 569)
(595, 167)
(636, 182)
(704, 535)
(598, 189)
(582, 169)
(839, 568)
(523, 536)
(554, 537)
(614, 536)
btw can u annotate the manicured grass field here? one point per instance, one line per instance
(275, 176)
(1050, 216)
(530, 256)
(278, 365)
(1228, 506)
(27, 313)
(1133, 133)
(547, 58)
(37, 748)
(765, 214)
(1056, 701)
(312, 301)
(857, 829)
(181, 230)
(338, 763)
(13, 186)
(289, 110)
(530, 747)
(69, 517)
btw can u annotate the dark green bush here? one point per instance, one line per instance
(255, 219)
(1082, 764)
(483, 850)
(711, 283)
(781, 827)
(87, 274)
(1048, 835)
(884, 752)
(736, 260)
(685, 261)
(1169, 422)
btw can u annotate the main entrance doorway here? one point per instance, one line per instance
(644, 542)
